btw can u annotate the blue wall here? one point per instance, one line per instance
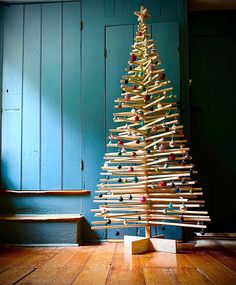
(54, 87)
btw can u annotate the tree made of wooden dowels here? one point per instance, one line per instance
(148, 180)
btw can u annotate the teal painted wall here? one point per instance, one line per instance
(56, 107)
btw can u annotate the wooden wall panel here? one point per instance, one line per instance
(121, 8)
(119, 40)
(166, 36)
(31, 98)
(71, 96)
(51, 97)
(12, 96)
(41, 122)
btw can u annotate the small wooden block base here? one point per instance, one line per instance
(142, 244)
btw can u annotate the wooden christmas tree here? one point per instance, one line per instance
(147, 181)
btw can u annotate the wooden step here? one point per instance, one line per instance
(46, 192)
(43, 217)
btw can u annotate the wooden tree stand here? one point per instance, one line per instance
(142, 244)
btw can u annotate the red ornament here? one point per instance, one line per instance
(161, 148)
(143, 199)
(171, 157)
(127, 97)
(134, 154)
(181, 132)
(162, 76)
(136, 118)
(154, 128)
(133, 57)
(120, 142)
(131, 169)
(134, 87)
(146, 97)
(139, 33)
(163, 183)
(120, 106)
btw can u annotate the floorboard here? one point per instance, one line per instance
(201, 262)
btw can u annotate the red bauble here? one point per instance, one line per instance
(181, 132)
(120, 106)
(162, 76)
(133, 57)
(131, 169)
(136, 118)
(163, 183)
(146, 97)
(120, 142)
(139, 33)
(171, 157)
(154, 128)
(134, 154)
(134, 87)
(143, 199)
(127, 97)
(162, 148)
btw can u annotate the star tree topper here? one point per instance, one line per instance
(142, 14)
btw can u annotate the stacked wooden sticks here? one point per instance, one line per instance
(148, 181)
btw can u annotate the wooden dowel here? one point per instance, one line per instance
(150, 223)
(161, 135)
(140, 225)
(179, 224)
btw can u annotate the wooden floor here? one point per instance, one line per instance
(206, 262)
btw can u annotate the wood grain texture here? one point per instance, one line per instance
(109, 263)
(158, 276)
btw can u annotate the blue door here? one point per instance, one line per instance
(41, 97)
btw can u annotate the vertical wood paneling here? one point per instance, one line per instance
(119, 40)
(154, 7)
(109, 8)
(1, 57)
(121, 8)
(51, 154)
(93, 111)
(133, 6)
(169, 8)
(12, 96)
(42, 46)
(71, 88)
(31, 98)
(166, 36)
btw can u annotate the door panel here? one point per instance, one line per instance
(12, 97)
(41, 96)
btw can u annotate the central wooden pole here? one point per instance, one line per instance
(148, 231)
